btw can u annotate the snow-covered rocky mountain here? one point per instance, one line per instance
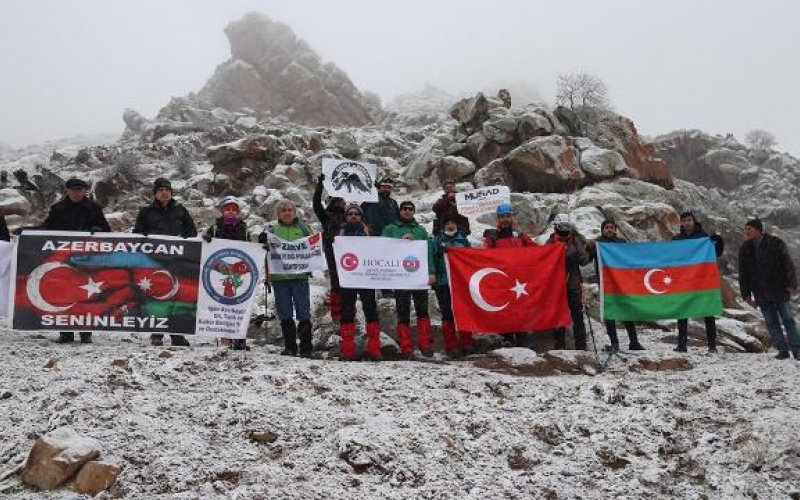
(181, 421)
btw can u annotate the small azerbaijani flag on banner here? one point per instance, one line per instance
(662, 280)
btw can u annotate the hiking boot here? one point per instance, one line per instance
(65, 338)
(179, 340)
(306, 345)
(428, 353)
(239, 345)
(289, 330)
(468, 350)
(680, 348)
(157, 340)
(636, 347)
(796, 355)
(712, 349)
(453, 353)
(611, 348)
(782, 355)
(86, 337)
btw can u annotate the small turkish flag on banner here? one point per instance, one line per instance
(506, 290)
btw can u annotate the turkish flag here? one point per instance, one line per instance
(506, 290)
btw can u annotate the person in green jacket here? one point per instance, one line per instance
(292, 293)
(451, 236)
(408, 228)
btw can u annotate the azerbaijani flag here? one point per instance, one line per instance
(663, 280)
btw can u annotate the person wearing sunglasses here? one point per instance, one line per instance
(408, 228)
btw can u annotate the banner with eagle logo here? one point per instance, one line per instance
(351, 180)
(70, 281)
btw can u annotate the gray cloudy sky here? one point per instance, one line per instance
(69, 67)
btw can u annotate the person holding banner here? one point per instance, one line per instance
(76, 212)
(445, 207)
(292, 293)
(505, 236)
(450, 237)
(575, 246)
(355, 226)
(691, 228)
(608, 234)
(385, 211)
(408, 228)
(767, 278)
(230, 227)
(167, 217)
(331, 218)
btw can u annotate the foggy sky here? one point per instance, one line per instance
(72, 67)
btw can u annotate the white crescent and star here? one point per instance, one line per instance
(172, 291)
(648, 281)
(35, 293)
(475, 289)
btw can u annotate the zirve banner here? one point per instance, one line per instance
(661, 280)
(354, 181)
(381, 263)
(68, 281)
(482, 201)
(295, 257)
(230, 274)
(111, 282)
(6, 257)
(508, 290)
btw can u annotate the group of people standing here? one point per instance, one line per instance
(767, 275)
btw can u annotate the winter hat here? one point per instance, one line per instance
(607, 222)
(353, 207)
(504, 209)
(75, 183)
(756, 224)
(688, 214)
(229, 200)
(161, 183)
(408, 204)
(562, 222)
(448, 182)
(386, 181)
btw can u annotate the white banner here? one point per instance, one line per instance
(354, 181)
(381, 263)
(482, 200)
(297, 256)
(230, 272)
(6, 258)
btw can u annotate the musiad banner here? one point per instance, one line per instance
(6, 257)
(352, 180)
(230, 274)
(381, 263)
(296, 256)
(482, 201)
(70, 281)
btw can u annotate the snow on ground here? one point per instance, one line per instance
(182, 422)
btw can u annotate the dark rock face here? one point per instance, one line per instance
(272, 72)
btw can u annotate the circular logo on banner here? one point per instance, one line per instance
(411, 264)
(349, 261)
(230, 276)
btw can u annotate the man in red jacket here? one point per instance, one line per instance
(505, 236)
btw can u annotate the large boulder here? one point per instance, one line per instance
(454, 167)
(57, 456)
(273, 72)
(546, 164)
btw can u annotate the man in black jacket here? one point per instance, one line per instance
(331, 217)
(691, 228)
(76, 212)
(767, 278)
(168, 217)
(608, 234)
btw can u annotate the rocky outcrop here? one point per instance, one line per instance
(274, 73)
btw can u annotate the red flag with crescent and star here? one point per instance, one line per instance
(506, 290)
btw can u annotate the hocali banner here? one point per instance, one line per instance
(482, 200)
(299, 256)
(381, 263)
(69, 281)
(352, 180)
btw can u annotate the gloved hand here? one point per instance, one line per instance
(17, 231)
(207, 237)
(321, 178)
